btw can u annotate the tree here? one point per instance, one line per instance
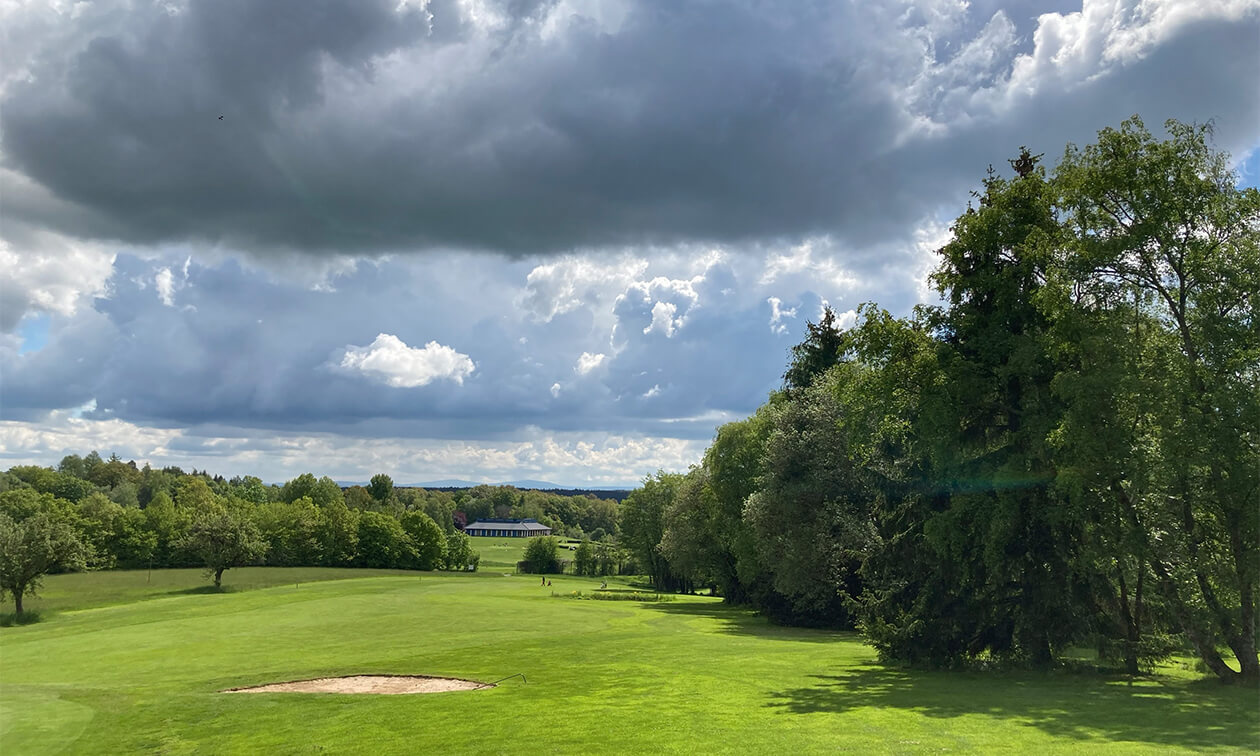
(383, 542)
(357, 497)
(598, 514)
(338, 534)
(169, 526)
(194, 496)
(1162, 227)
(459, 552)
(72, 464)
(32, 547)
(542, 555)
(221, 538)
(733, 466)
(324, 491)
(584, 562)
(642, 527)
(428, 542)
(381, 487)
(808, 516)
(822, 348)
(249, 488)
(291, 530)
(1004, 525)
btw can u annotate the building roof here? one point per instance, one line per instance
(499, 524)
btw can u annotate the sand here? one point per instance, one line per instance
(379, 684)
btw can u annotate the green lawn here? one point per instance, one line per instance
(502, 554)
(86, 590)
(689, 676)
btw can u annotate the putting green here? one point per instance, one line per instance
(603, 677)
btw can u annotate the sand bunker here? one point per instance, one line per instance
(380, 684)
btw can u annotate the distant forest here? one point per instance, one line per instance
(96, 513)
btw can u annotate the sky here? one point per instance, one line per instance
(503, 239)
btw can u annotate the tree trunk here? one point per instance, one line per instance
(17, 598)
(1244, 644)
(218, 577)
(1126, 620)
(1137, 620)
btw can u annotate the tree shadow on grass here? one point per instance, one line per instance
(736, 620)
(203, 589)
(1171, 713)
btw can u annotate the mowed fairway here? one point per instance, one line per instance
(689, 676)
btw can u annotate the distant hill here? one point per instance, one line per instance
(536, 485)
(457, 484)
(540, 485)
(616, 494)
(449, 483)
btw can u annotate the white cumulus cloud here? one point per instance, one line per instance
(588, 362)
(663, 320)
(777, 314)
(165, 284)
(563, 286)
(390, 360)
(49, 273)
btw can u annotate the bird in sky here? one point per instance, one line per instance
(220, 118)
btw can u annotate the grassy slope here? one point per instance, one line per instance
(86, 590)
(681, 677)
(502, 554)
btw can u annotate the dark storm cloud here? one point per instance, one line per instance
(366, 126)
(356, 126)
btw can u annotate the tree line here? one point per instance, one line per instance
(1064, 452)
(92, 513)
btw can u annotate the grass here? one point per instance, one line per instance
(687, 676)
(502, 554)
(86, 590)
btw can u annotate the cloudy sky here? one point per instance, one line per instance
(496, 239)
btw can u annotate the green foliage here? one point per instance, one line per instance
(337, 532)
(808, 517)
(292, 532)
(584, 561)
(642, 527)
(221, 538)
(357, 497)
(460, 555)
(17, 619)
(598, 595)
(381, 487)
(250, 488)
(324, 492)
(30, 548)
(428, 542)
(382, 541)
(542, 556)
(819, 352)
(1173, 250)
(1063, 453)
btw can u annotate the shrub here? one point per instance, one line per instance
(541, 556)
(13, 619)
(616, 596)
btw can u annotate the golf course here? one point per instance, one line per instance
(137, 662)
